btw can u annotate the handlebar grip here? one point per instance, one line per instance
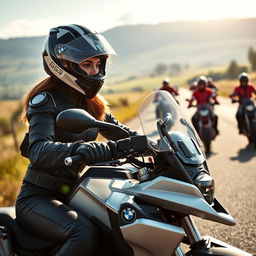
(73, 160)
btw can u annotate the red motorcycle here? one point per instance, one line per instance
(248, 109)
(205, 124)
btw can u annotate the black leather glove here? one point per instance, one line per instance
(129, 146)
(119, 148)
(94, 152)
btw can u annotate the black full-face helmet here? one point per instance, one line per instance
(68, 46)
(243, 77)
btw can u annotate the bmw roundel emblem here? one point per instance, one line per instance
(61, 49)
(128, 214)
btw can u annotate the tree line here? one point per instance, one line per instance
(232, 71)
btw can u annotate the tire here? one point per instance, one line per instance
(207, 139)
(219, 251)
(253, 132)
(158, 112)
(224, 252)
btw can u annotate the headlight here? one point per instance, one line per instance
(205, 183)
(204, 112)
(249, 107)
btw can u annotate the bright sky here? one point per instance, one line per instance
(34, 17)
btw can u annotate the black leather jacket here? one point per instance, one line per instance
(48, 145)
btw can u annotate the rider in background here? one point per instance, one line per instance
(243, 91)
(167, 87)
(212, 86)
(193, 86)
(203, 95)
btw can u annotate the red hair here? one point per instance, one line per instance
(96, 106)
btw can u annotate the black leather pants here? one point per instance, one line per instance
(50, 219)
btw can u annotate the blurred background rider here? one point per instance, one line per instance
(243, 91)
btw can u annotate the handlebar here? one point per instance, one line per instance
(127, 147)
(73, 160)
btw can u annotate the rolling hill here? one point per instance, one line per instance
(139, 47)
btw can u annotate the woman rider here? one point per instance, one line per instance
(74, 57)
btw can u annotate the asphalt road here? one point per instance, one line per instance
(233, 166)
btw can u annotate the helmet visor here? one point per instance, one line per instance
(84, 47)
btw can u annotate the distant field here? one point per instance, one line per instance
(8, 107)
(151, 83)
(115, 99)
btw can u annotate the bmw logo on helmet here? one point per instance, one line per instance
(128, 214)
(60, 49)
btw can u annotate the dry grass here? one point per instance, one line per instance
(11, 173)
(125, 112)
(226, 87)
(8, 107)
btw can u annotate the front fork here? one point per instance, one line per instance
(191, 232)
(207, 246)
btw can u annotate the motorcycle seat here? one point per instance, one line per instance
(22, 238)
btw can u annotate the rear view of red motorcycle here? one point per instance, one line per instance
(204, 121)
(246, 113)
(247, 116)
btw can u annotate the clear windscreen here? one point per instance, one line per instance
(160, 105)
(84, 47)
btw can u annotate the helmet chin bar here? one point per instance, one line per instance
(91, 85)
(90, 88)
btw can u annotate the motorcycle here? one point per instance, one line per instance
(142, 203)
(205, 125)
(249, 119)
(162, 104)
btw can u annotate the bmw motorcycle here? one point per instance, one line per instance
(142, 203)
(249, 119)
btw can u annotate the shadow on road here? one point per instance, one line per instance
(245, 154)
(210, 154)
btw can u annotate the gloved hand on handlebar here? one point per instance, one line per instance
(132, 146)
(94, 152)
(120, 148)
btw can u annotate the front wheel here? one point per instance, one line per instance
(225, 252)
(215, 247)
(218, 251)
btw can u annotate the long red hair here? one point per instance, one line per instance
(96, 106)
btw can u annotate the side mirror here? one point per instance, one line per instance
(79, 120)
